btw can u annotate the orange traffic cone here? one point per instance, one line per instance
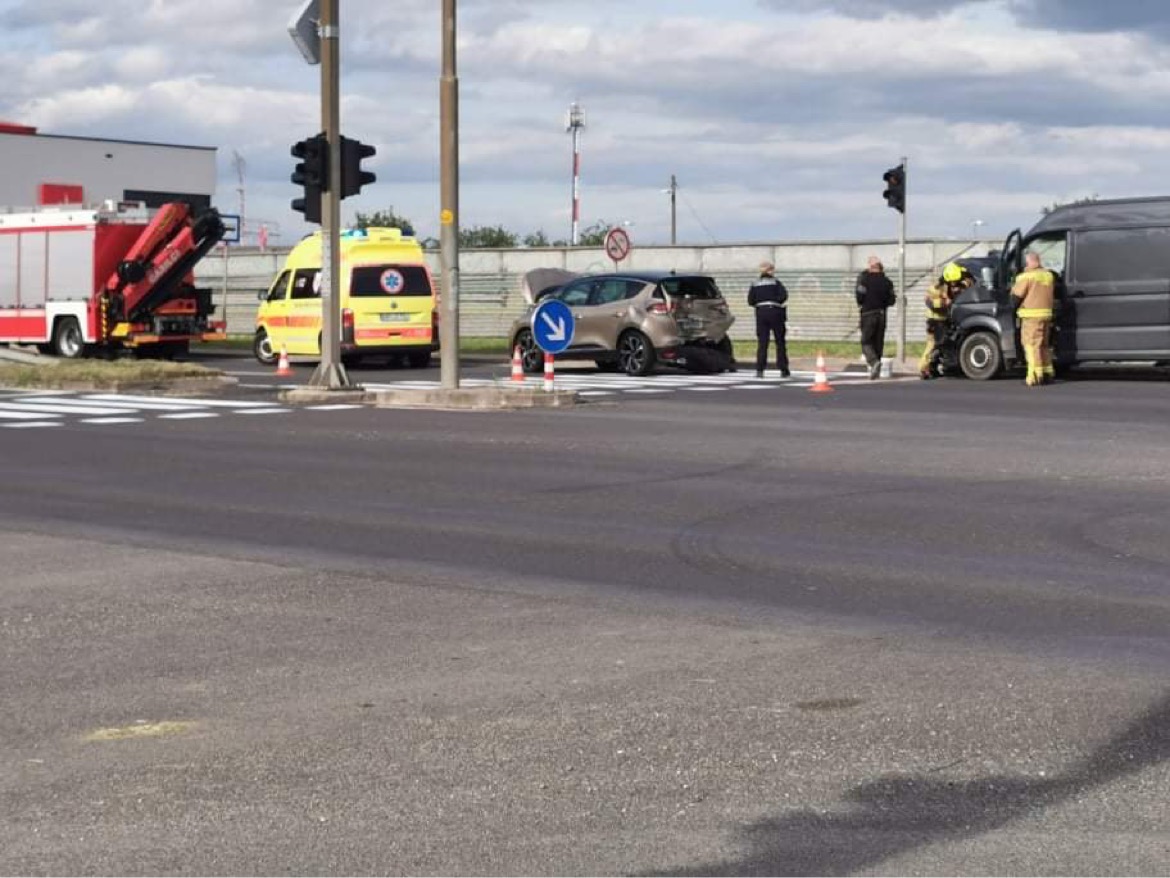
(821, 377)
(517, 366)
(282, 367)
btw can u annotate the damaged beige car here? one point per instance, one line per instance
(633, 321)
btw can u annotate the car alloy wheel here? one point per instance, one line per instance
(531, 356)
(635, 354)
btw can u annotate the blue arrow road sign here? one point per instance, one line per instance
(552, 326)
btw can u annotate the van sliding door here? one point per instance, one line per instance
(1119, 293)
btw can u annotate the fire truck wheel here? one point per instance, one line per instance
(68, 342)
(262, 348)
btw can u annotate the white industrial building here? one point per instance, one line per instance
(40, 169)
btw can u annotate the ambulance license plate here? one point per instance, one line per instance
(394, 318)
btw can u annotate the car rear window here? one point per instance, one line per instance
(695, 287)
(390, 280)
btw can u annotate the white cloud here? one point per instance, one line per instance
(777, 124)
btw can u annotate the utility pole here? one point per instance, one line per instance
(449, 207)
(673, 210)
(330, 373)
(241, 167)
(574, 125)
(903, 301)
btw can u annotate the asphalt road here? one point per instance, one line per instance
(905, 628)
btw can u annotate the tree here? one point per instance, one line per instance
(487, 236)
(540, 239)
(594, 235)
(386, 219)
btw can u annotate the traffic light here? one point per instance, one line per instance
(895, 193)
(353, 178)
(312, 172)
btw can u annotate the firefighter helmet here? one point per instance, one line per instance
(953, 272)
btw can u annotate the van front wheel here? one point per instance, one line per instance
(980, 357)
(262, 348)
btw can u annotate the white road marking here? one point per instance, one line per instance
(340, 407)
(272, 411)
(157, 405)
(25, 425)
(64, 407)
(111, 420)
(189, 416)
(21, 416)
(178, 401)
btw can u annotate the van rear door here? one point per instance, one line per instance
(392, 305)
(1119, 293)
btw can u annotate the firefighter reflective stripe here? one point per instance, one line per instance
(121, 330)
(1036, 313)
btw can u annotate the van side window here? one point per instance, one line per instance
(279, 287)
(306, 284)
(1119, 255)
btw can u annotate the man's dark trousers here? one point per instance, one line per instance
(873, 335)
(771, 321)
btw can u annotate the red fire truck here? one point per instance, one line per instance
(119, 276)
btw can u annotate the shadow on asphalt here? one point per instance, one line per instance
(900, 813)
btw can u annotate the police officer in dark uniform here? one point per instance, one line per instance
(768, 297)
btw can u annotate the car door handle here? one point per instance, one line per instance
(619, 313)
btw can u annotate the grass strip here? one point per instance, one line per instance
(98, 373)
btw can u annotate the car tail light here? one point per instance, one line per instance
(347, 319)
(660, 307)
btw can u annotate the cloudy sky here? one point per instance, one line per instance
(778, 116)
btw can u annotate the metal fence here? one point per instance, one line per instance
(820, 278)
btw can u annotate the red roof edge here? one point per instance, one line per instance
(14, 128)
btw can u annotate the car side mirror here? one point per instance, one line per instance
(988, 277)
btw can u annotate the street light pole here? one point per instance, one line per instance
(673, 210)
(449, 204)
(330, 372)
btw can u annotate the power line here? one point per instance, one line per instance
(698, 219)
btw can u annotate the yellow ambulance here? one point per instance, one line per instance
(387, 300)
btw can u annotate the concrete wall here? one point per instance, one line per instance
(820, 278)
(105, 168)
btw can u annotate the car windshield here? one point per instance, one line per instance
(695, 287)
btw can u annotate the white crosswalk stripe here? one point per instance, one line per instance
(40, 409)
(597, 384)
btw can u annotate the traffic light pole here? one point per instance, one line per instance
(903, 301)
(331, 373)
(449, 204)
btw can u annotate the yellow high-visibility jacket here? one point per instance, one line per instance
(1036, 291)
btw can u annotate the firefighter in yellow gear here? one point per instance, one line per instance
(1035, 291)
(939, 299)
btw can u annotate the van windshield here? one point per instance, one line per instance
(370, 281)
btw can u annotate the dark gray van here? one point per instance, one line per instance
(1112, 262)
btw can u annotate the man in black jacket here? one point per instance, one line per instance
(768, 296)
(875, 294)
